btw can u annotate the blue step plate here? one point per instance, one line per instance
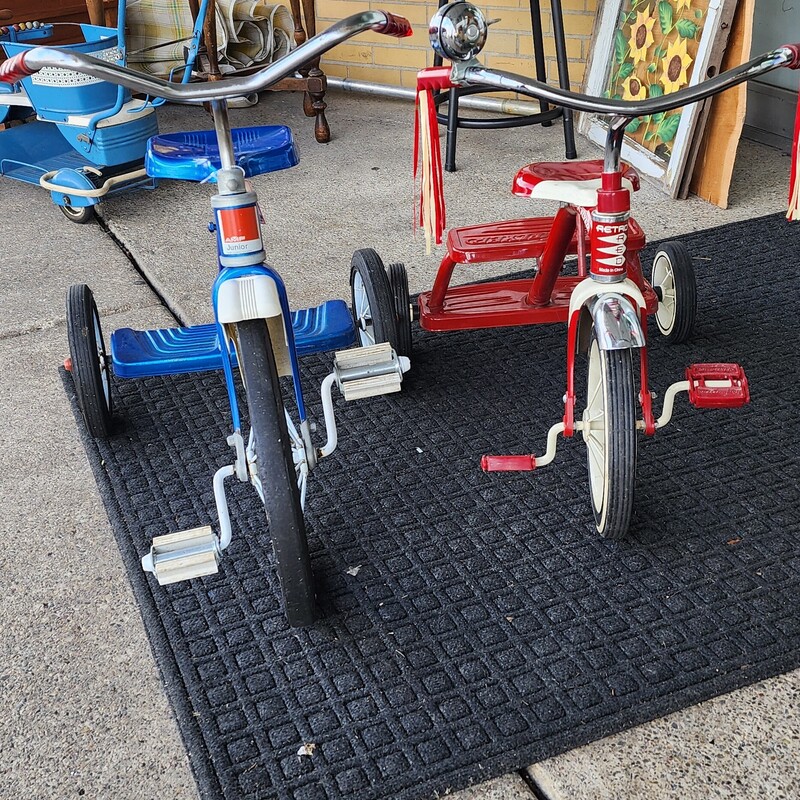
(169, 351)
(194, 155)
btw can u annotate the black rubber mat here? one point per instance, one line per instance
(474, 624)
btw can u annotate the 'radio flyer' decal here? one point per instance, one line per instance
(239, 232)
(608, 248)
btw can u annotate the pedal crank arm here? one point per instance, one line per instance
(359, 373)
(192, 553)
(526, 463)
(330, 416)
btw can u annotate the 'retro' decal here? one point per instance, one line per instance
(608, 248)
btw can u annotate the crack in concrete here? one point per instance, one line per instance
(535, 788)
(141, 271)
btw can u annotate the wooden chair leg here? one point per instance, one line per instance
(97, 15)
(313, 103)
(316, 92)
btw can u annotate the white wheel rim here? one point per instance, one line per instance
(664, 278)
(364, 324)
(299, 457)
(74, 212)
(594, 426)
(105, 378)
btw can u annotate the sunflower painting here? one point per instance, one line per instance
(655, 46)
(641, 35)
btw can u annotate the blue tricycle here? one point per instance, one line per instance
(254, 330)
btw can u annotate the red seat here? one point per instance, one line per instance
(573, 182)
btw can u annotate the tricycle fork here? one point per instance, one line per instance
(647, 423)
(617, 312)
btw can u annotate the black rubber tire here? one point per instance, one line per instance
(90, 362)
(398, 282)
(612, 473)
(79, 215)
(276, 472)
(674, 281)
(372, 302)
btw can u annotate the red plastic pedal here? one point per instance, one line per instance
(508, 463)
(717, 386)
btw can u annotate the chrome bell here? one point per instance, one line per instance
(458, 31)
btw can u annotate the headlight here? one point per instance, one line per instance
(458, 31)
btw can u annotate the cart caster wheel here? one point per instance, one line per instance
(80, 215)
(609, 430)
(90, 364)
(674, 282)
(373, 305)
(398, 281)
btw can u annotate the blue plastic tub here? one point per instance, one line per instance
(114, 144)
(58, 94)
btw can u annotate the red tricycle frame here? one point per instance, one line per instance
(605, 305)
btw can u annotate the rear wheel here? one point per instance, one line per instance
(674, 282)
(398, 281)
(276, 472)
(78, 214)
(609, 431)
(89, 363)
(373, 305)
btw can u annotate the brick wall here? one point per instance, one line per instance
(378, 59)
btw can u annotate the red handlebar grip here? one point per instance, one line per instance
(795, 50)
(14, 69)
(434, 78)
(396, 26)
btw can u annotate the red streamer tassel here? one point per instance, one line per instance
(794, 180)
(428, 155)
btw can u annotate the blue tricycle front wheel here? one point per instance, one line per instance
(276, 471)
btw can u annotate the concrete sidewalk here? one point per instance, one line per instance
(84, 710)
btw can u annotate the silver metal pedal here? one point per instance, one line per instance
(183, 555)
(369, 371)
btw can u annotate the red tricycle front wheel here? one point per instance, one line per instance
(609, 431)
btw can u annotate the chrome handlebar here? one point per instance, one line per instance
(458, 32)
(30, 61)
(474, 74)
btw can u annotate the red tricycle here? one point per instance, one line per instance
(605, 306)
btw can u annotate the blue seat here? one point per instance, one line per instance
(194, 155)
(170, 351)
